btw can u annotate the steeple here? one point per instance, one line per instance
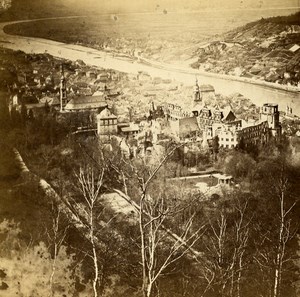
(63, 89)
(197, 92)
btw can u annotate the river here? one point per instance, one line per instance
(259, 94)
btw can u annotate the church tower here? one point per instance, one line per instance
(197, 93)
(63, 89)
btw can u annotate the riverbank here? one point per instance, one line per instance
(257, 93)
(128, 51)
(157, 64)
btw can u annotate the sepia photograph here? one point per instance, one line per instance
(149, 148)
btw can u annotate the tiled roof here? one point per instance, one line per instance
(86, 102)
(207, 88)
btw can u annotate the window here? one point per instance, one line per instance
(227, 139)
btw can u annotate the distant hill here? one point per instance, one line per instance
(265, 49)
(26, 9)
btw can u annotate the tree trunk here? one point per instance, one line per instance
(95, 259)
(280, 250)
(144, 264)
(53, 271)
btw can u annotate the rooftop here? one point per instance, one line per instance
(207, 88)
(130, 128)
(106, 114)
(86, 102)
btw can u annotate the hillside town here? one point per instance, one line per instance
(80, 89)
(121, 177)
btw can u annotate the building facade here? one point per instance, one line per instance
(107, 123)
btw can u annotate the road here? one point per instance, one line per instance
(226, 85)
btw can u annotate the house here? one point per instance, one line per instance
(102, 77)
(92, 74)
(107, 123)
(130, 130)
(223, 179)
(228, 138)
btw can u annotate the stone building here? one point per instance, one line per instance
(269, 112)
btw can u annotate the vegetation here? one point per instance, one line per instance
(293, 19)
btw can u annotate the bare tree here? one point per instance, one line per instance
(225, 244)
(90, 186)
(284, 234)
(56, 235)
(272, 252)
(159, 246)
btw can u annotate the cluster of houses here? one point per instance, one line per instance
(207, 122)
(201, 122)
(45, 82)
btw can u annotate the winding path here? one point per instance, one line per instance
(258, 92)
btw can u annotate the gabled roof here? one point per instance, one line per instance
(228, 114)
(86, 102)
(106, 114)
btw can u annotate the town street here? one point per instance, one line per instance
(259, 94)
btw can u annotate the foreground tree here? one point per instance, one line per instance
(90, 186)
(277, 227)
(160, 247)
(226, 246)
(56, 236)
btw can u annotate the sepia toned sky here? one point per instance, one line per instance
(177, 5)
